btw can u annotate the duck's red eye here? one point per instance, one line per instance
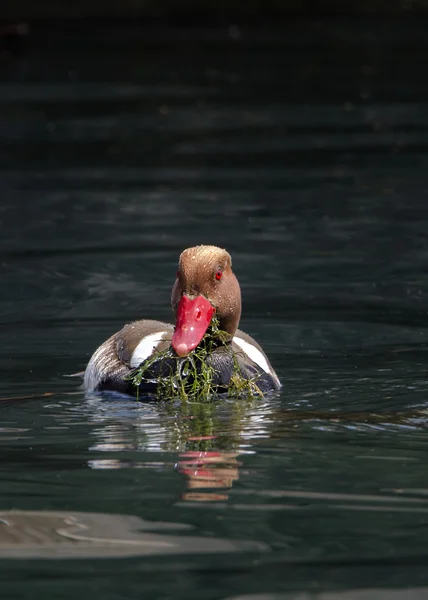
(219, 274)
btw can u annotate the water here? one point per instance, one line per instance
(303, 152)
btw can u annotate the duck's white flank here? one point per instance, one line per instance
(149, 342)
(253, 353)
(145, 347)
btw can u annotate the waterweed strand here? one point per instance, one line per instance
(192, 378)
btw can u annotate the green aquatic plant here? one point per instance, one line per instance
(193, 377)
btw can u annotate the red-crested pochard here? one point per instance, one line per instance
(205, 285)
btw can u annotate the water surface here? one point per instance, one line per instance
(303, 152)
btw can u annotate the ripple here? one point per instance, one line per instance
(59, 535)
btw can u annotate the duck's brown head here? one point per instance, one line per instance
(205, 285)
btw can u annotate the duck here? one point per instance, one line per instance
(205, 286)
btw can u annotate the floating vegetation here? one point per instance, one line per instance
(194, 377)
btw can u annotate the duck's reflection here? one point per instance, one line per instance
(208, 470)
(205, 440)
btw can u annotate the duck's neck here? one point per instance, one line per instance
(216, 335)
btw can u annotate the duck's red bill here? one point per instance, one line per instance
(193, 318)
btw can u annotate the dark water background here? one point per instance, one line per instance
(303, 151)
